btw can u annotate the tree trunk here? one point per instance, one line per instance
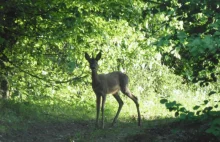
(4, 87)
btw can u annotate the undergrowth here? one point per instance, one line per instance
(18, 115)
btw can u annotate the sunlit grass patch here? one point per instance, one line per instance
(18, 114)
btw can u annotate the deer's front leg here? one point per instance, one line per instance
(103, 109)
(98, 98)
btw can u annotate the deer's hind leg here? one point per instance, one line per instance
(128, 93)
(120, 103)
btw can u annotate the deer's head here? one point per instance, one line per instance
(93, 62)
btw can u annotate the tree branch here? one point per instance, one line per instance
(48, 80)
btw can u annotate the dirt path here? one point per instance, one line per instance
(69, 132)
(50, 132)
(85, 131)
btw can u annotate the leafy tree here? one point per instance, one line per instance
(42, 43)
(193, 39)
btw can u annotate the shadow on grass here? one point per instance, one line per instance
(33, 122)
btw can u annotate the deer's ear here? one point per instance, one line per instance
(87, 56)
(98, 56)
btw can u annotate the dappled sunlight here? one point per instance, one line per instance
(166, 52)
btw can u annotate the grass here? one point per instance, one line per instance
(72, 117)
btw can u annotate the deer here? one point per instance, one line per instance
(111, 83)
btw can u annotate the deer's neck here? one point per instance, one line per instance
(95, 78)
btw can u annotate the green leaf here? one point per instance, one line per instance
(198, 112)
(206, 102)
(163, 101)
(211, 93)
(176, 114)
(183, 109)
(209, 108)
(196, 107)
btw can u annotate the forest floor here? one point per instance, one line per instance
(41, 121)
(150, 131)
